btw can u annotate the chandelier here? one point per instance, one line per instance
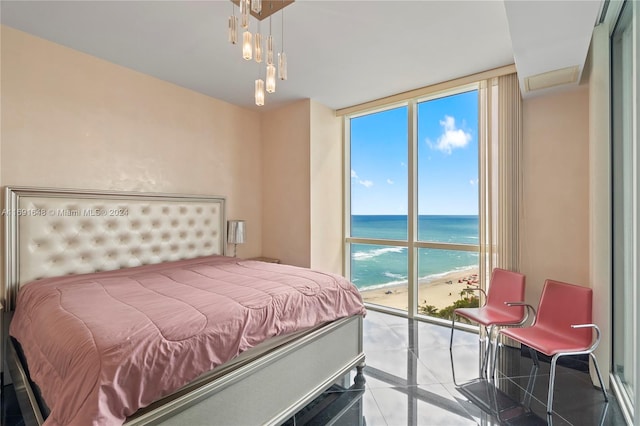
(252, 44)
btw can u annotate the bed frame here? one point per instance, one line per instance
(53, 232)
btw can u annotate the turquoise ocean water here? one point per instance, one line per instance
(374, 266)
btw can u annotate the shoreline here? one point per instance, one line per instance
(441, 291)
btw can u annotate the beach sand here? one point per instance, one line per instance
(437, 292)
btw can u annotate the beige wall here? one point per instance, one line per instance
(555, 227)
(286, 225)
(72, 120)
(326, 189)
(302, 186)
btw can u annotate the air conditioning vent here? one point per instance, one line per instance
(552, 78)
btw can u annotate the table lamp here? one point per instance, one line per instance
(235, 233)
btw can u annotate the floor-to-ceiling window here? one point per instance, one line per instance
(412, 227)
(625, 204)
(378, 219)
(447, 203)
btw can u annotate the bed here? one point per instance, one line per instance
(126, 247)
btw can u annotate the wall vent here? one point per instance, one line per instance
(552, 78)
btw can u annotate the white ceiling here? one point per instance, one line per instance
(340, 53)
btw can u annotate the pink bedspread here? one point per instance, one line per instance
(101, 346)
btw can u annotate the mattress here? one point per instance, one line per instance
(101, 346)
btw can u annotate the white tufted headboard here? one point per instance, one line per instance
(53, 232)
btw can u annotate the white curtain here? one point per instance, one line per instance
(500, 173)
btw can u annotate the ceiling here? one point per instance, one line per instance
(340, 53)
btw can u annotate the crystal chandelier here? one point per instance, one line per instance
(252, 44)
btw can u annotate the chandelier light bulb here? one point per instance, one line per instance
(282, 66)
(233, 29)
(259, 92)
(269, 50)
(282, 57)
(258, 47)
(271, 78)
(256, 6)
(244, 13)
(246, 46)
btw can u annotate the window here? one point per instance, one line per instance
(447, 198)
(413, 202)
(625, 202)
(432, 192)
(379, 206)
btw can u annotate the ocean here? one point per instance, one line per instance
(374, 266)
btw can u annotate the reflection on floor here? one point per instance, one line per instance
(409, 381)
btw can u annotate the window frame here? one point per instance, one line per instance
(412, 243)
(629, 401)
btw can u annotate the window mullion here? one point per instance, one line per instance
(412, 209)
(346, 218)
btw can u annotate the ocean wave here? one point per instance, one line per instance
(432, 277)
(389, 284)
(396, 276)
(402, 280)
(364, 255)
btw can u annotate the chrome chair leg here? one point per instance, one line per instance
(549, 420)
(552, 379)
(495, 359)
(483, 368)
(603, 416)
(488, 347)
(453, 368)
(531, 383)
(534, 357)
(453, 322)
(604, 390)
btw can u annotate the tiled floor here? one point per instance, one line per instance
(409, 381)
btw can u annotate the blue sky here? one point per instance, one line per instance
(447, 158)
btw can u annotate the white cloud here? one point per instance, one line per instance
(389, 181)
(451, 137)
(403, 164)
(473, 182)
(365, 183)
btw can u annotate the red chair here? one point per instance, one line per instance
(505, 287)
(562, 327)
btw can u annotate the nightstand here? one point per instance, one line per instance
(266, 259)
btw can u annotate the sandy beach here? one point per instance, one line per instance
(439, 292)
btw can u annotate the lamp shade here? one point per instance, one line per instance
(235, 231)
